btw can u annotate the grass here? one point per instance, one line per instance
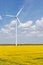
(21, 55)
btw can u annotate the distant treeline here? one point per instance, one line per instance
(18, 44)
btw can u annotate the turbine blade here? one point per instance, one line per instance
(18, 20)
(10, 15)
(19, 11)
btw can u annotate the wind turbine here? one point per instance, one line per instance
(17, 20)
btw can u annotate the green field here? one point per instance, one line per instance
(21, 55)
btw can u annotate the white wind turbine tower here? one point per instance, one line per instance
(17, 20)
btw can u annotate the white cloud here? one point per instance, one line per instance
(13, 22)
(39, 22)
(0, 17)
(33, 27)
(29, 29)
(38, 25)
(25, 25)
(10, 26)
(4, 30)
(34, 33)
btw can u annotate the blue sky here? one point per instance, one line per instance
(31, 17)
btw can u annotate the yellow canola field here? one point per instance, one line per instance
(21, 55)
